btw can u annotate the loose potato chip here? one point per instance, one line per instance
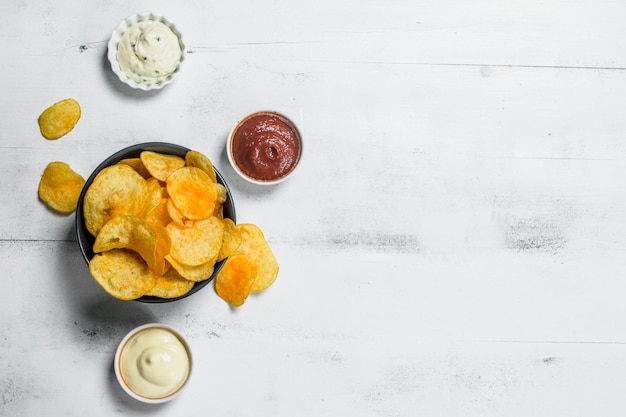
(234, 281)
(122, 273)
(192, 192)
(60, 187)
(197, 244)
(170, 285)
(256, 247)
(151, 242)
(231, 241)
(200, 160)
(59, 119)
(137, 165)
(159, 165)
(192, 273)
(116, 190)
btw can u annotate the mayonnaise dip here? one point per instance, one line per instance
(154, 363)
(148, 52)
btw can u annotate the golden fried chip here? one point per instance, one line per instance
(198, 244)
(219, 211)
(176, 215)
(232, 239)
(170, 285)
(122, 273)
(159, 214)
(151, 242)
(162, 248)
(154, 193)
(200, 160)
(234, 281)
(116, 190)
(192, 273)
(192, 192)
(125, 231)
(159, 165)
(256, 247)
(60, 187)
(59, 119)
(221, 193)
(137, 165)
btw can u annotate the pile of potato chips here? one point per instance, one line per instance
(159, 228)
(158, 222)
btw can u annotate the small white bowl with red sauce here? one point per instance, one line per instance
(264, 147)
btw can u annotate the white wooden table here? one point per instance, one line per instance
(451, 245)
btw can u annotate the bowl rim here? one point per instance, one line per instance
(240, 121)
(115, 37)
(118, 356)
(85, 239)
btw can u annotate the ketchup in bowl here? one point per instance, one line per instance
(265, 147)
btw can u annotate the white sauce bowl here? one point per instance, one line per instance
(114, 42)
(118, 363)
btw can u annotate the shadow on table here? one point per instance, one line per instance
(99, 320)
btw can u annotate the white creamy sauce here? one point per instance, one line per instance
(148, 52)
(154, 363)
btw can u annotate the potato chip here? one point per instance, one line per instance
(159, 214)
(151, 242)
(159, 165)
(192, 192)
(116, 190)
(231, 241)
(197, 244)
(234, 281)
(256, 247)
(59, 119)
(221, 193)
(137, 165)
(192, 273)
(60, 187)
(199, 160)
(218, 212)
(176, 215)
(162, 248)
(154, 193)
(170, 285)
(122, 273)
(123, 232)
(220, 199)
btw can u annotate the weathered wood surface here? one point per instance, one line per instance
(451, 245)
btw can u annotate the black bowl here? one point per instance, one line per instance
(86, 240)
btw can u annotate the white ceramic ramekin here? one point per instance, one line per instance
(114, 42)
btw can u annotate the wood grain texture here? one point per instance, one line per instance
(451, 244)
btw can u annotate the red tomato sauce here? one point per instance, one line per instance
(266, 146)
